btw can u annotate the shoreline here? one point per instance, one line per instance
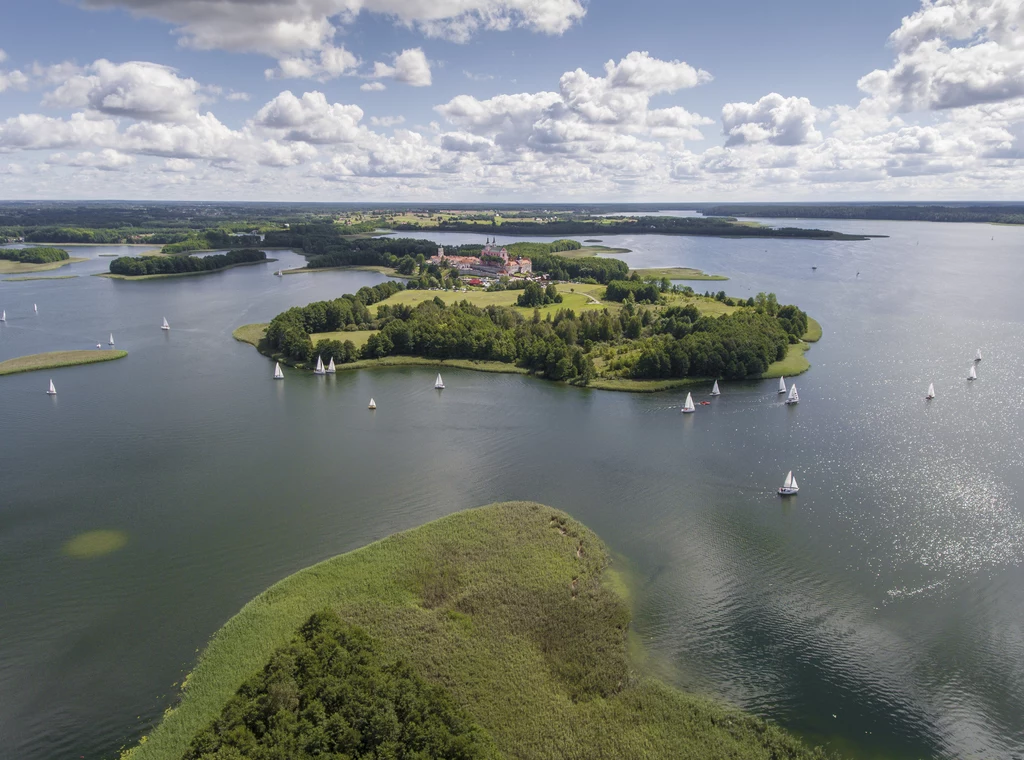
(112, 276)
(389, 271)
(59, 359)
(679, 273)
(794, 364)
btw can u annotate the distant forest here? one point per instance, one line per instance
(1008, 214)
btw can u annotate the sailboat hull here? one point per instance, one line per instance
(783, 491)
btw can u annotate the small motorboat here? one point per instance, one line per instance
(705, 403)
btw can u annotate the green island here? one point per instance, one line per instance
(677, 273)
(497, 632)
(55, 359)
(629, 335)
(179, 265)
(30, 279)
(33, 259)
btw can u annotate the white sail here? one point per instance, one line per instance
(330, 367)
(373, 404)
(931, 390)
(977, 356)
(792, 482)
(319, 367)
(111, 341)
(793, 396)
(688, 406)
(715, 391)
(52, 391)
(782, 385)
(788, 483)
(278, 374)
(35, 307)
(972, 375)
(165, 326)
(3, 317)
(439, 383)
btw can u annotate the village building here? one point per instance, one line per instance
(492, 262)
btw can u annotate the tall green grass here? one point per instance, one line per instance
(513, 610)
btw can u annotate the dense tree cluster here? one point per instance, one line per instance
(289, 331)
(136, 266)
(331, 694)
(643, 291)
(37, 255)
(534, 295)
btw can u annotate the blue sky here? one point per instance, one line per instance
(512, 100)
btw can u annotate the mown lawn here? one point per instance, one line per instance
(576, 297)
(56, 359)
(513, 608)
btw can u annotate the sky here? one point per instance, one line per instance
(476, 101)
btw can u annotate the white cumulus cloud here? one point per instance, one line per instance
(410, 67)
(773, 119)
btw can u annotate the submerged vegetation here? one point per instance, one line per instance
(511, 630)
(143, 266)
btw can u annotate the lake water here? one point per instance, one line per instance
(881, 610)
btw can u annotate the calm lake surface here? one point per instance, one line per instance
(880, 611)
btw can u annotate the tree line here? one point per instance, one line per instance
(37, 255)
(330, 693)
(1001, 214)
(289, 331)
(136, 266)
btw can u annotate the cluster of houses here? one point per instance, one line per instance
(492, 262)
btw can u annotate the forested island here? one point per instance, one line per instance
(499, 632)
(637, 332)
(161, 266)
(36, 255)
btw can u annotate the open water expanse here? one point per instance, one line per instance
(881, 610)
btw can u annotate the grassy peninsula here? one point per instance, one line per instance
(18, 267)
(512, 612)
(678, 273)
(55, 359)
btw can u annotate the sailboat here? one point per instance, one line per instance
(931, 391)
(52, 391)
(319, 367)
(35, 308)
(3, 317)
(278, 374)
(111, 341)
(715, 391)
(330, 367)
(793, 397)
(977, 356)
(279, 273)
(972, 375)
(782, 385)
(439, 383)
(688, 407)
(789, 487)
(373, 404)
(165, 326)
